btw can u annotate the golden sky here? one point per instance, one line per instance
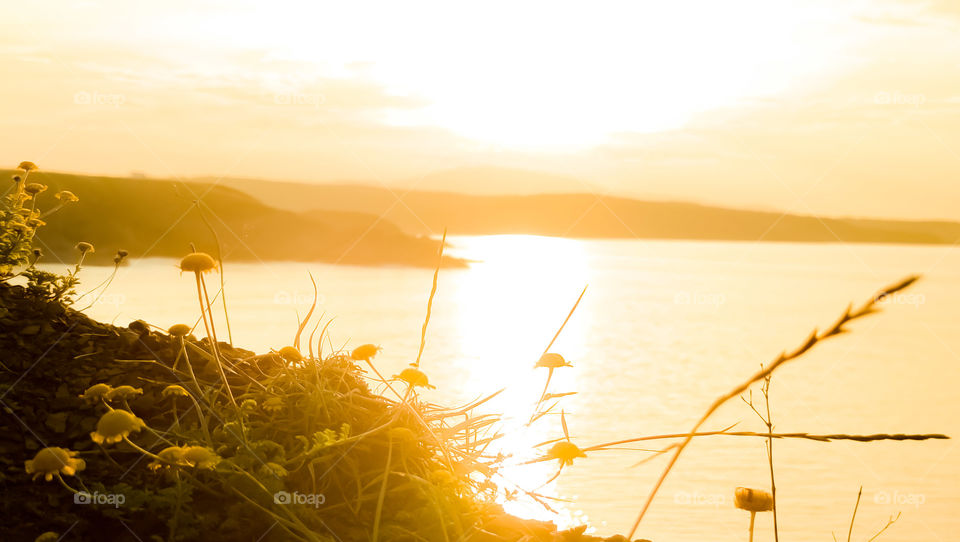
(828, 107)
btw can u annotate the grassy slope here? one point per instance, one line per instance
(156, 218)
(582, 215)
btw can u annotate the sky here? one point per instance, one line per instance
(840, 108)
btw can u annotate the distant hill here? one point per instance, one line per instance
(588, 216)
(158, 218)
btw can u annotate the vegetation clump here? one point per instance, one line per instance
(185, 438)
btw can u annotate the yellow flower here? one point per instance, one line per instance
(752, 500)
(179, 330)
(96, 392)
(290, 353)
(174, 390)
(198, 262)
(124, 393)
(50, 462)
(565, 452)
(116, 425)
(27, 166)
(200, 457)
(552, 361)
(85, 247)
(415, 377)
(172, 455)
(66, 196)
(273, 404)
(48, 536)
(365, 352)
(35, 223)
(34, 188)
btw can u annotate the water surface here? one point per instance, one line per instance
(665, 327)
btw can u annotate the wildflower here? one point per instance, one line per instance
(273, 404)
(565, 452)
(169, 456)
(35, 223)
(752, 500)
(365, 352)
(200, 457)
(197, 262)
(274, 469)
(27, 166)
(121, 255)
(50, 462)
(124, 393)
(415, 377)
(16, 179)
(115, 426)
(179, 330)
(97, 392)
(34, 188)
(174, 390)
(85, 247)
(552, 361)
(290, 353)
(49, 536)
(66, 196)
(37, 252)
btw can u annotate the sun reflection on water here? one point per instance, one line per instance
(510, 304)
